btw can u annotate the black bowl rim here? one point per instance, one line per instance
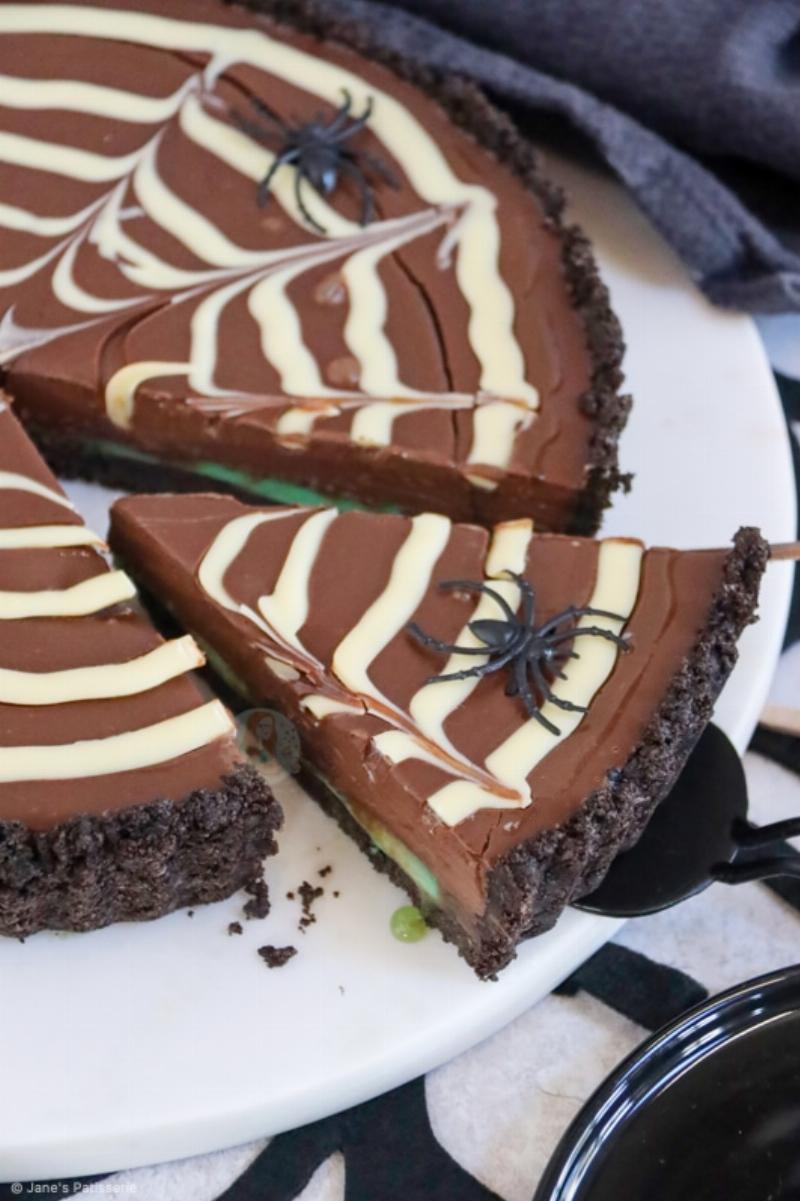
(713, 1021)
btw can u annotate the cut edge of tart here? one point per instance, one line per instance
(123, 794)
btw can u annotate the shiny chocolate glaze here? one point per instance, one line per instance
(163, 541)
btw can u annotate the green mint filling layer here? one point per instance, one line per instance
(279, 491)
(392, 847)
(383, 839)
(221, 668)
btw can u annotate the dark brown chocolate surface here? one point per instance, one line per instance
(561, 468)
(163, 539)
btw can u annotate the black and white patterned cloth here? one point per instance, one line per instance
(484, 1126)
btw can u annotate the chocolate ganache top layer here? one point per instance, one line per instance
(147, 297)
(97, 712)
(311, 609)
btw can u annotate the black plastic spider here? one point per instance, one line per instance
(527, 650)
(317, 151)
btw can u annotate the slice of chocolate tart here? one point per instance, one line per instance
(499, 712)
(270, 254)
(123, 794)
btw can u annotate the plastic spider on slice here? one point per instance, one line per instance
(529, 652)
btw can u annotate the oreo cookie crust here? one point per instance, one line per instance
(139, 863)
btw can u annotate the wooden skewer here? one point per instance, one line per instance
(781, 718)
(789, 551)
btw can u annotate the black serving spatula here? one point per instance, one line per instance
(698, 835)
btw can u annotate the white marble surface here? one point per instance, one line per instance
(701, 383)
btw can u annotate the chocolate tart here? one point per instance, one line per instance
(586, 672)
(253, 247)
(123, 794)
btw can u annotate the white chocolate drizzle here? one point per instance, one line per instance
(508, 549)
(287, 605)
(131, 751)
(14, 481)
(467, 212)
(501, 782)
(47, 536)
(127, 751)
(81, 600)
(325, 706)
(103, 682)
(396, 605)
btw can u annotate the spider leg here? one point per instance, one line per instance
(298, 194)
(344, 135)
(546, 722)
(547, 692)
(589, 612)
(595, 631)
(446, 648)
(528, 598)
(367, 203)
(483, 669)
(524, 691)
(340, 119)
(473, 586)
(281, 160)
(520, 687)
(572, 613)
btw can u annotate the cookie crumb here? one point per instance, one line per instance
(308, 895)
(258, 906)
(336, 892)
(290, 896)
(325, 871)
(190, 912)
(277, 956)
(235, 928)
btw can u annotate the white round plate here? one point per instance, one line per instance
(144, 1043)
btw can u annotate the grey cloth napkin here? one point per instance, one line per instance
(694, 104)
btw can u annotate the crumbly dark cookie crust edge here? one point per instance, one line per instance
(534, 882)
(470, 110)
(138, 863)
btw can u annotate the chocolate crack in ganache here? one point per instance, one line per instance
(574, 501)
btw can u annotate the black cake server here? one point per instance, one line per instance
(698, 835)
